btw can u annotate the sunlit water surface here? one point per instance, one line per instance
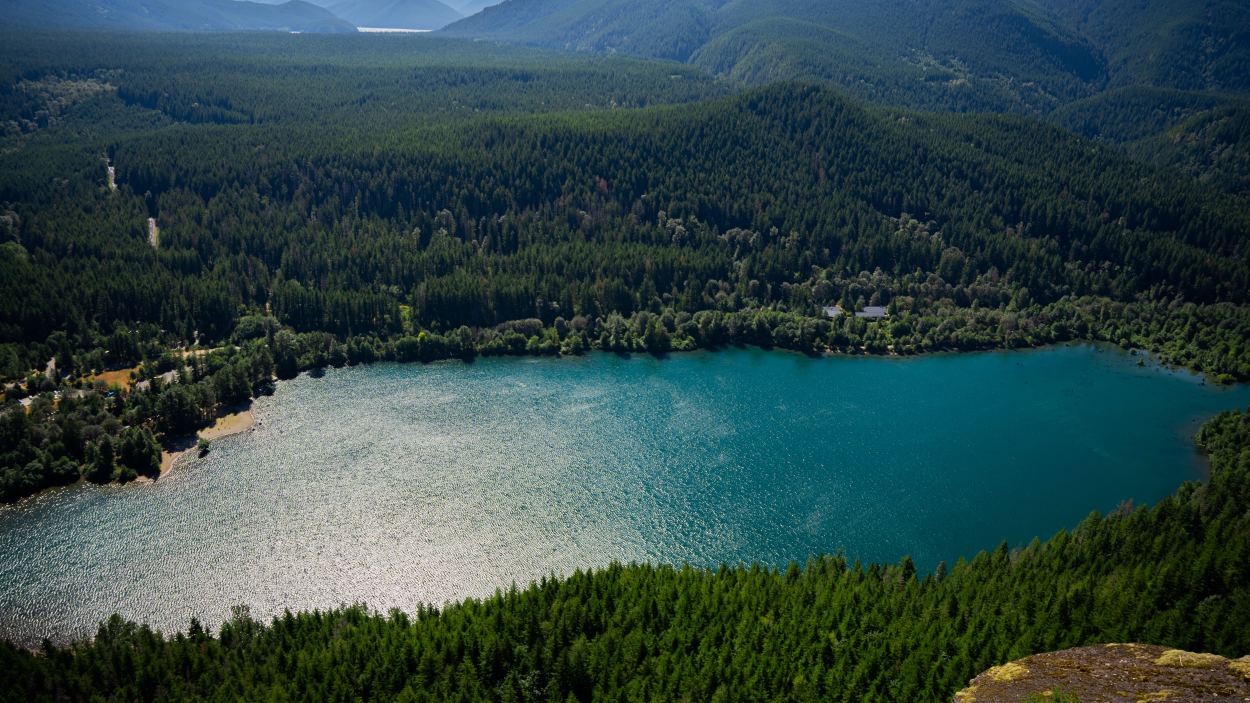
(402, 484)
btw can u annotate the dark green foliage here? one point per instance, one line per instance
(1204, 135)
(967, 54)
(105, 435)
(665, 211)
(1129, 114)
(1213, 147)
(138, 452)
(1175, 574)
(55, 442)
(1179, 44)
(103, 464)
(391, 83)
(1104, 68)
(1016, 55)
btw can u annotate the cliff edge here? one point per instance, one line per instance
(1113, 673)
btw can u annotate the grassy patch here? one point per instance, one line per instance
(1190, 660)
(1010, 671)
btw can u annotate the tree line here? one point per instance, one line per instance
(774, 200)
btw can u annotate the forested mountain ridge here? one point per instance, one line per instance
(1071, 45)
(954, 54)
(1173, 574)
(1203, 134)
(1045, 58)
(174, 15)
(1181, 45)
(970, 179)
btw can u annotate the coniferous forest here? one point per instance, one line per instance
(205, 214)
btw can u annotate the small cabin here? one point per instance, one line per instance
(833, 311)
(872, 312)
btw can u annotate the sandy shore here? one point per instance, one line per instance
(167, 459)
(241, 420)
(233, 423)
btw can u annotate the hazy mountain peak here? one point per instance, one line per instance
(177, 15)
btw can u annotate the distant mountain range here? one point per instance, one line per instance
(322, 16)
(175, 15)
(472, 7)
(1166, 79)
(960, 54)
(1016, 55)
(403, 14)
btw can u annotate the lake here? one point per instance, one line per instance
(401, 484)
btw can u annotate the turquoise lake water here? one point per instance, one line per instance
(401, 484)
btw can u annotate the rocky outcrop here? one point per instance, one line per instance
(1113, 673)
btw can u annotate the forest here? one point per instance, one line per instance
(286, 203)
(828, 630)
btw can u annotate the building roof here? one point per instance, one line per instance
(872, 312)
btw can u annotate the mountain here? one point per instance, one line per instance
(1018, 55)
(1182, 44)
(966, 54)
(176, 15)
(1203, 134)
(1131, 72)
(472, 7)
(404, 14)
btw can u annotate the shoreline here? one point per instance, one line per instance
(239, 418)
(236, 420)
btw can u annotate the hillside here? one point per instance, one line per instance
(1213, 147)
(175, 15)
(835, 189)
(1097, 67)
(1186, 45)
(398, 14)
(472, 7)
(1061, 47)
(1202, 134)
(783, 39)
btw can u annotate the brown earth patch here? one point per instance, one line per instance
(119, 377)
